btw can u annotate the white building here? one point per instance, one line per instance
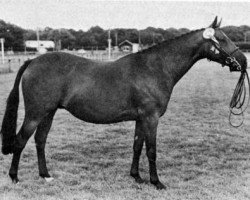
(127, 46)
(42, 46)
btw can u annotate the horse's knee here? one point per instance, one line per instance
(40, 139)
(151, 153)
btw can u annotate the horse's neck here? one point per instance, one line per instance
(179, 56)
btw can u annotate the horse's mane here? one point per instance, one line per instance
(157, 46)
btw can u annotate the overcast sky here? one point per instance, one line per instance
(81, 14)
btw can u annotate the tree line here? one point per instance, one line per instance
(96, 37)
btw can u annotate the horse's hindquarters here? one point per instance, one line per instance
(42, 92)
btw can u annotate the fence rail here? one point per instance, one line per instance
(13, 62)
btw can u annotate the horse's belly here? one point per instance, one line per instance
(102, 112)
(104, 118)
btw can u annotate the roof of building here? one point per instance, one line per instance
(126, 41)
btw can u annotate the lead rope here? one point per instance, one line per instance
(237, 105)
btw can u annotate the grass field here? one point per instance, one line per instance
(199, 155)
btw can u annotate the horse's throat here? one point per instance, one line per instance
(178, 65)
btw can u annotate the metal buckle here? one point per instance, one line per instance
(233, 64)
(229, 60)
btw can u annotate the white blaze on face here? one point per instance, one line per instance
(213, 49)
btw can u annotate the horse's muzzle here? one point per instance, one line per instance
(238, 63)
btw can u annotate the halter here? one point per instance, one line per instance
(229, 59)
(239, 101)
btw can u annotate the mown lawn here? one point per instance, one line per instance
(200, 156)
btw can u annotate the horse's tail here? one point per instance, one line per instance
(9, 124)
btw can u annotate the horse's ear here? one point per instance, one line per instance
(214, 24)
(218, 25)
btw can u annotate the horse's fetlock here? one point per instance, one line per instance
(14, 178)
(44, 175)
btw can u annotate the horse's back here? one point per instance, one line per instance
(101, 93)
(97, 92)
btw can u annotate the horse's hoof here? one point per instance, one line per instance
(14, 178)
(7, 150)
(158, 185)
(48, 179)
(137, 178)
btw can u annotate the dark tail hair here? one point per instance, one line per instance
(9, 124)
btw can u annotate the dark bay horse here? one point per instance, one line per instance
(136, 87)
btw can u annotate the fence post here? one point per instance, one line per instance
(9, 61)
(2, 48)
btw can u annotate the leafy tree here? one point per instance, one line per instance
(64, 36)
(96, 37)
(234, 33)
(30, 35)
(13, 36)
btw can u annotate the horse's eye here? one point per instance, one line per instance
(223, 39)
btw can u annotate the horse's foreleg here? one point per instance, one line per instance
(40, 139)
(21, 139)
(138, 144)
(150, 126)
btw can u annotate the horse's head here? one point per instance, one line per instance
(219, 48)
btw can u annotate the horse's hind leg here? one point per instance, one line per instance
(138, 144)
(40, 139)
(27, 129)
